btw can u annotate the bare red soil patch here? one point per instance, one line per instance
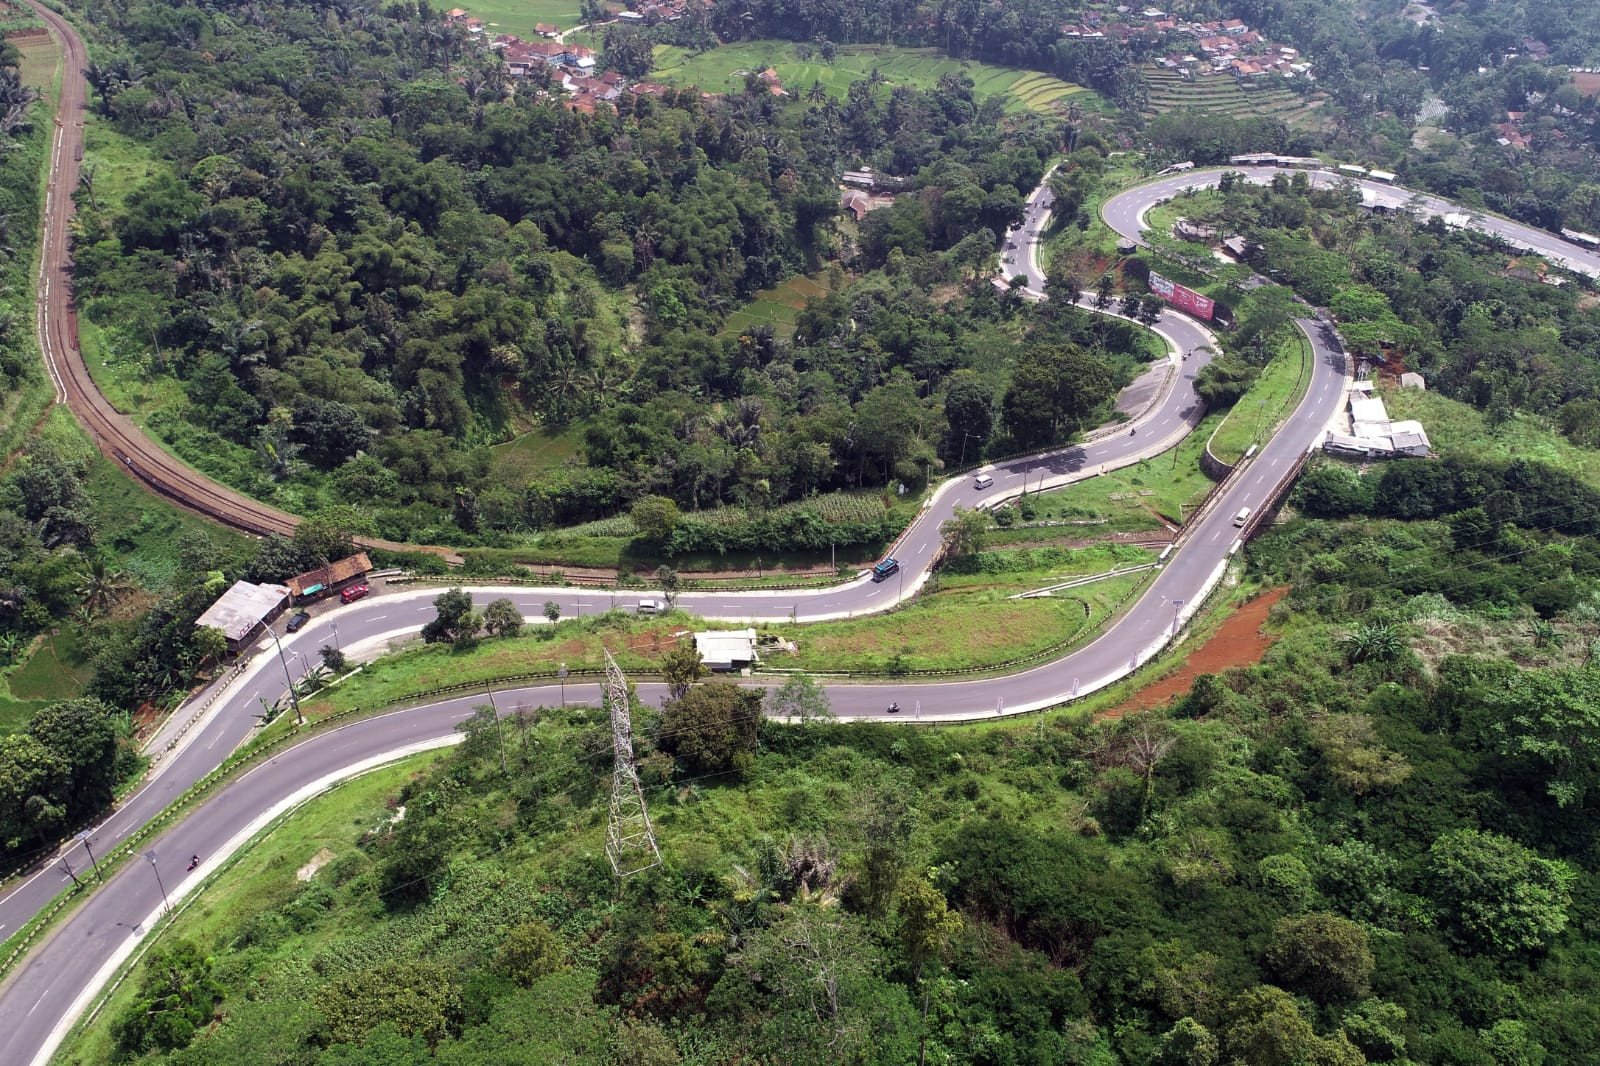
(1239, 642)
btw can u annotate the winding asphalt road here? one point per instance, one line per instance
(45, 993)
(53, 985)
(1125, 212)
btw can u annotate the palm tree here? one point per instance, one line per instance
(86, 178)
(236, 338)
(99, 586)
(816, 94)
(16, 101)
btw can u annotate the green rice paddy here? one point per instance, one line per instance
(723, 69)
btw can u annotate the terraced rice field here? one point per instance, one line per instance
(779, 306)
(723, 70)
(1221, 93)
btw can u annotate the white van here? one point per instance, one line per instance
(651, 607)
(1242, 517)
(982, 481)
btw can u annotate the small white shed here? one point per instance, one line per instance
(727, 650)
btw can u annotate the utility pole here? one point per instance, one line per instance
(294, 697)
(499, 728)
(83, 838)
(150, 856)
(630, 839)
(335, 627)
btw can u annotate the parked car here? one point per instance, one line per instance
(298, 621)
(352, 593)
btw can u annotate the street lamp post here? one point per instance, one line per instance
(561, 672)
(294, 697)
(67, 866)
(335, 627)
(150, 856)
(83, 838)
(1177, 605)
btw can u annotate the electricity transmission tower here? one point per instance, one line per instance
(630, 840)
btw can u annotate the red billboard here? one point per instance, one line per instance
(1185, 300)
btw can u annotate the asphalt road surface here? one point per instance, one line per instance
(1125, 211)
(48, 988)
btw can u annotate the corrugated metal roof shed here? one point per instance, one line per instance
(243, 607)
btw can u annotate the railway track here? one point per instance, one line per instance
(56, 322)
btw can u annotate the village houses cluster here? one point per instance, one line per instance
(1216, 46)
(572, 67)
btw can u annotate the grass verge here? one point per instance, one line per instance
(1142, 496)
(963, 626)
(1261, 410)
(264, 875)
(965, 623)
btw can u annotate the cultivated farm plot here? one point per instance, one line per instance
(519, 17)
(778, 306)
(1588, 84)
(723, 70)
(57, 670)
(1220, 92)
(532, 454)
(41, 62)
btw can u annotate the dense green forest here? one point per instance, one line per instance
(364, 255)
(1376, 846)
(368, 259)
